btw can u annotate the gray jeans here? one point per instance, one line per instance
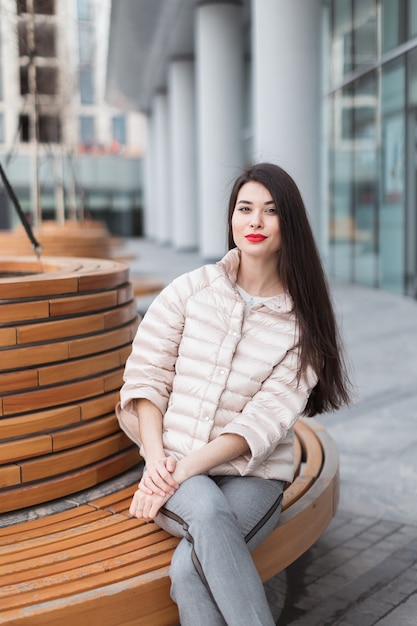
(221, 519)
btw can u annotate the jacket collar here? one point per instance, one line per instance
(229, 265)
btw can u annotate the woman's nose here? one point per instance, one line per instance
(256, 221)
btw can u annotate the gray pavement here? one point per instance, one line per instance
(363, 571)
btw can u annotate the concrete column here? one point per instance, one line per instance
(182, 161)
(149, 184)
(286, 90)
(219, 90)
(160, 202)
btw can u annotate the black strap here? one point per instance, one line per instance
(37, 247)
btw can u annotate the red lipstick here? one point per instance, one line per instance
(255, 238)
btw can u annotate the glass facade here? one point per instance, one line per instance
(372, 142)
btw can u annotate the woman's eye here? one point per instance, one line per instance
(272, 210)
(244, 209)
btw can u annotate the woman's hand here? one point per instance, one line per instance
(147, 506)
(157, 477)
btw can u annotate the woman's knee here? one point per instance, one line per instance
(199, 500)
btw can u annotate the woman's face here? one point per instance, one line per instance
(255, 223)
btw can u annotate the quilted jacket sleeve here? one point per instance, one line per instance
(149, 370)
(273, 411)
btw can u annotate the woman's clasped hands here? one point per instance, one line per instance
(155, 488)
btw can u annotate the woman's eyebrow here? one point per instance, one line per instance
(249, 202)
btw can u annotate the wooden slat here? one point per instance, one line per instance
(84, 478)
(9, 476)
(60, 394)
(8, 337)
(102, 341)
(46, 466)
(83, 303)
(13, 381)
(22, 357)
(85, 433)
(25, 448)
(32, 423)
(79, 368)
(19, 311)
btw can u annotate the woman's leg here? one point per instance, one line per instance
(214, 580)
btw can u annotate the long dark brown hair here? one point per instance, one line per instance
(301, 273)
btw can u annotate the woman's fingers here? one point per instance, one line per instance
(157, 477)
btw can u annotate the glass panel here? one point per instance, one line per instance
(364, 33)
(412, 78)
(393, 23)
(412, 18)
(392, 208)
(341, 53)
(45, 40)
(365, 176)
(411, 230)
(340, 227)
(1, 128)
(411, 254)
(119, 129)
(86, 86)
(84, 10)
(87, 131)
(86, 43)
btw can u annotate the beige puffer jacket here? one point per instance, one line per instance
(210, 370)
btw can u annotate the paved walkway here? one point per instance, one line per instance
(363, 571)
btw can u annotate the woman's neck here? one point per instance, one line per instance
(259, 278)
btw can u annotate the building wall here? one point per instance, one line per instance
(96, 154)
(371, 136)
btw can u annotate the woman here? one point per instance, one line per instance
(224, 362)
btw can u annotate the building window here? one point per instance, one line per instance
(47, 80)
(24, 80)
(49, 129)
(364, 33)
(85, 11)
(21, 6)
(412, 18)
(44, 7)
(394, 25)
(22, 39)
(24, 128)
(392, 177)
(119, 130)
(86, 86)
(372, 147)
(87, 131)
(86, 43)
(45, 40)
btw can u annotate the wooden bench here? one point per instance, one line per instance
(94, 564)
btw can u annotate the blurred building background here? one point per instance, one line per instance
(60, 140)
(327, 89)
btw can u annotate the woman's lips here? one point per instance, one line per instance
(255, 238)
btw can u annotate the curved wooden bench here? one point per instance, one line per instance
(66, 328)
(96, 564)
(86, 238)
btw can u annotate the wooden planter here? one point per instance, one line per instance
(66, 327)
(75, 239)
